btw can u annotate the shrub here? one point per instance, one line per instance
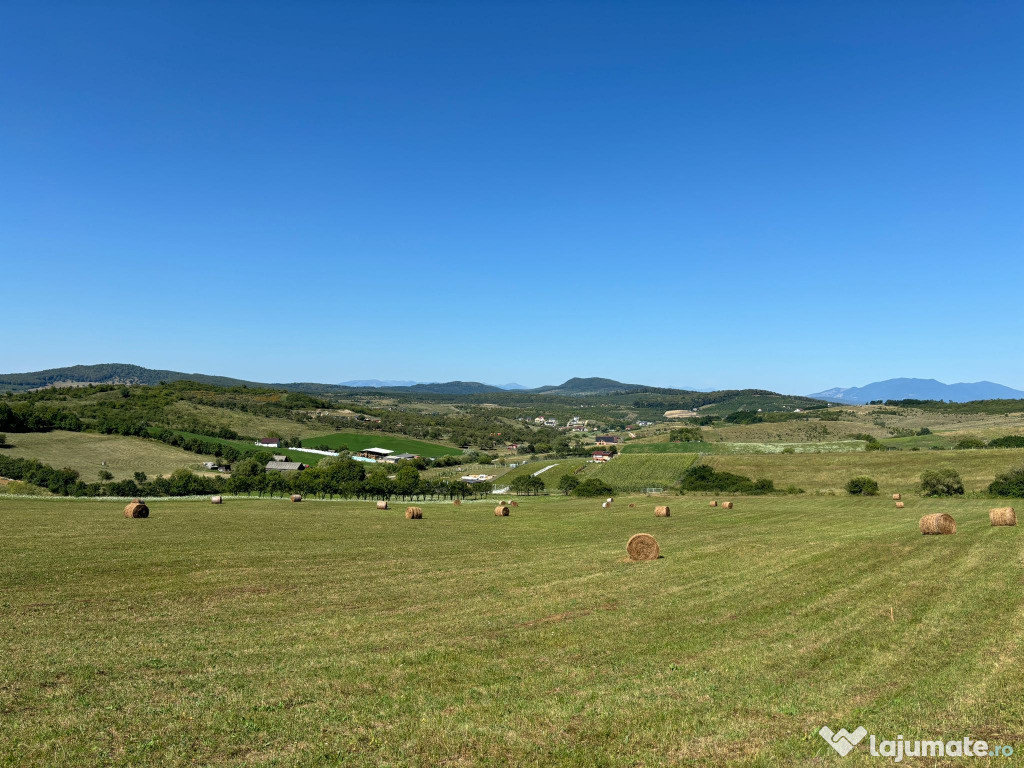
(3, 440)
(1010, 441)
(1009, 484)
(862, 486)
(593, 487)
(789, 449)
(763, 485)
(969, 443)
(702, 477)
(942, 482)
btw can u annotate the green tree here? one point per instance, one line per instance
(407, 480)
(593, 487)
(105, 475)
(568, 483)
(140, 477)
(942, 482)
(1009, 484)
(862, 486)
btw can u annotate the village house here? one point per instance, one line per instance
(269, 442)
(608, 440)
(601, 456)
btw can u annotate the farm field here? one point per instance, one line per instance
(895, 471)
(84, 452)
(358, 441)
(552, 476)
(842, 446)
(266, 633)
(245, 423)
(636, 472)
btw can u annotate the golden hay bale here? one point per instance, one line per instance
(642, 546)
(296, 497)
(457, 502)
(609, 500)
(216, 500)
(514, 504)
(713, 504)
(1002, 516)
(937, 523)
(413, 513)
(501, 510)
(896, 497)
(726, 505)
(900, 505)
(136, 509)
(382, 505)
(662, 512)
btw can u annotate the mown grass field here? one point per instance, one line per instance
(266, 633)
(84, 452)
(358, 441)
(895, 471)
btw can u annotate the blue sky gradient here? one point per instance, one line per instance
(718, 194)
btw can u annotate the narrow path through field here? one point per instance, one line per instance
(539, 471)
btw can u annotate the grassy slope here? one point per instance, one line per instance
(262, 633)
(636, 472)
(245, 423)
(552, 476)
(357, 441)
(894, 470)
(696, 447)
(84, 451)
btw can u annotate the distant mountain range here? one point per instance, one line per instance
(919, 389)
(378, 383)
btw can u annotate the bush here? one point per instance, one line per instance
(593, 487)
(1010, 441)
(942, 482)
(1009, 484)
(763, 485)
(789, 449)
(701, 477)
(862, 486)
(969, 443)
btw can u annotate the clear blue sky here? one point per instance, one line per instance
(731, 194)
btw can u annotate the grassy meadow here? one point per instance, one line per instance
(85, 452)
(264, 633)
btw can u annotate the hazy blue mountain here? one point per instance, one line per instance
(510, 386)
(919, 389)
(374, 383)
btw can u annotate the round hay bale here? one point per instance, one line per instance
(726, 505)
(937, 523)
(514, 504)
(457, 502)
(382, 505)
(296, 497)
(136, 509)
(501, 510)
(713, 504)
(642, 546)
(1002, 516)
(609, 500)
(413, 513)
(216, 500)
(506, 503)
(662, 512)
(896, 497)
(900, 505)
(605, 505)
(632, 505)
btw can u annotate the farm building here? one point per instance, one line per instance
(601, 456)
(394, 458)
(280, 457)
(608, 440)
(376, 454)
(284, 466)
(269, 442)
